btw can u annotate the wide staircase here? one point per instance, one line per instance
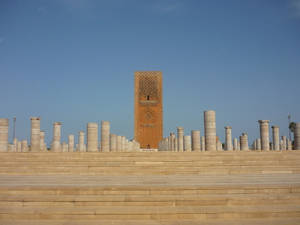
(150, 188)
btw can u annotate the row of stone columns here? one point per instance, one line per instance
(182, 142)
(211, 143)
(109, 142)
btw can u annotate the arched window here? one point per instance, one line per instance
(148, 97)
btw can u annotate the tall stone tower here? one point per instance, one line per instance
(148, 120)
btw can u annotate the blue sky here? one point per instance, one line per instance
(73, 61)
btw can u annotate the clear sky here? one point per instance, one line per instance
(73, 61)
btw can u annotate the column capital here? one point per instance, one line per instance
(264, 121)
(34, 118)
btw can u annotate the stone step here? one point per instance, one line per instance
(150, 212)
(171, 200)
(147, 170)
(116, 163)
(243, 221)
(193, 199)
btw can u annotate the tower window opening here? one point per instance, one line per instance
(148, 97)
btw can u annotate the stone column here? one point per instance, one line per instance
(196, 146)
(92, 137)
(244, 142)
(235, 144)
(71, 142)
(119, 143)
(64, 147)
(172, 141)
(219, 146)
(169, 143)
(180, 138)
(187, 143)
(130, 146)
(126, 148)
(35, 134)
(228, 138)
(284, 143)
(264, 134)
(113, 142)
(4, 134)
(56, 145)
(123, 142)
(276, 143)
(254, 145)
(176, 144)
(81, 145)
(42, 141)
(203, 143)
(24, 146)
(105, 131)
(297, 137)
(258, 143)
(15, 142)
(239, 146)
(289, 145)
(19, 146)
(210, 130)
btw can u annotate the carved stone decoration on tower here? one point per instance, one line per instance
(148, 123)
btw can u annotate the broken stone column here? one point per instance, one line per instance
(180, 138)
(284, 143)
(64, 147)
(81, 145)
(4, 134)
(254, 145)
(297, 137)
(24, 146)
(289, 145)
(119, 143)
(92, 137)
(123, 142)
(176, 144)
(235, 144)
(35, 134)
(113, 142)
(258, 144)
(130, 146)
(71, 141)
(173, 137)
(105, 131)
(202, 143)
(219, 146)
(196, 143)
(126, 148)
(19, 146)
(15, 143)
(264, 134)
(43, 146)
(276, 139)
(228, 138)
(244, 142)
(210, 130)
(187, 143)
(56, 145)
